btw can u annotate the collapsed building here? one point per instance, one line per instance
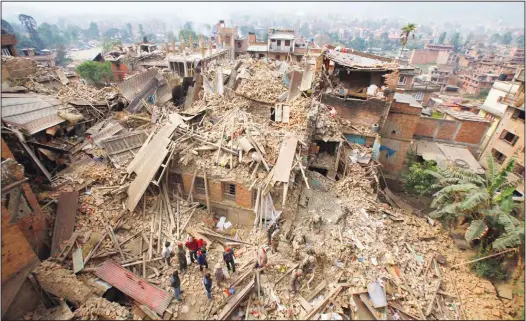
(243, 143)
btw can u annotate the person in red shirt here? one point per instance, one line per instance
(193, 247)
(201, 245)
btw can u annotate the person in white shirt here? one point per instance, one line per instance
(167, 253)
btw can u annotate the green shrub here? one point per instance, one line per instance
(417, 179)
(491, 268)
(95, 71)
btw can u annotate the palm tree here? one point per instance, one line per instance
(487, 201)
(407, 31)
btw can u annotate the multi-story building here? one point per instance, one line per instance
(517, 55)
(440, 75)
(438, 47)
(508, 140)
(477, 83)
(280, 43)
(494, 106)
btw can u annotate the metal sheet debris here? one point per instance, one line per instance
(64, 220)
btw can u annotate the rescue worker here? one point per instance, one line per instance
(192, 246)
(201, 260)
(262, 258)
(176, 284)
(181, 257)
(167, 253)
(296, 282)
(201, 245)
(207, 282)
(219, 275)
(270, 230)
(228, 257)
(274, 241)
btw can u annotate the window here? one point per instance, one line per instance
(279, 43)
(508, 137)
(499, 157)
(227, 39)
(229, 192)
(200, 186)
(419, 96)
(402, 80)
(239, 44)
(287, 42)
(518, 114)
(519, 170)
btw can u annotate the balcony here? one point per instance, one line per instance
(276, 48)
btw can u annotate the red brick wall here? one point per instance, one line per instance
(359, 112)
(187, 183)
(243, 196)
(215, 188)
(396, 162)
(471, 132)
(426, 127)
(422, 56)
(447, 130)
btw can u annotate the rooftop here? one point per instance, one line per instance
(407, 99)
(259, 48)
(282, 35)
(445, 154)
(196, 56)
(466, 115)
(356, 61)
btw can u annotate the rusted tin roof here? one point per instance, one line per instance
(135, 287)
(65, 219)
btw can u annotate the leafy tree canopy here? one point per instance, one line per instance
(95, 71)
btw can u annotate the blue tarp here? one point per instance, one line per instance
(355, 139)
(390, 152)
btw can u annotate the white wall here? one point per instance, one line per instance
(499, 89)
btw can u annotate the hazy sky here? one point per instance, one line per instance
(207, 12)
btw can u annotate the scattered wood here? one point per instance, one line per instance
(322, 305)
(483, 258)
(235, 301)
(286, 273)
(430, 306)
(309, 297)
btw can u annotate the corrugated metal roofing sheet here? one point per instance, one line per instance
(131, 87)
(122, 148)
(111, 129)
(31, 113)
(136, 287)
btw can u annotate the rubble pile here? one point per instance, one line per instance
(265, 82)
(100, 308)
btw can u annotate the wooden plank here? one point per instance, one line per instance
(78, 263)
(322, 305)
(235, 301)
(115, 241)
(65, 219)
(306, 305)
(285, 159)
(287, 273)
(191, 192)
(365, 299)
(207, 194)
(286, 114)
(309, 297)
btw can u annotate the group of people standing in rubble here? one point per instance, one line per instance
(198, 254)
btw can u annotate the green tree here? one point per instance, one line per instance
(93, 31)
(407, 31)
(61, 56)
(111, 33)
(507, 38)
(51, 35)
(95, 71)
(358, 44)
(486, 201)
(109, 44)
(141, 31)
(188, 25)
(417, 179)
(442, 38)
(520, 41)
(468, 39)
(494, 38)
(130, 31)
(455, 41)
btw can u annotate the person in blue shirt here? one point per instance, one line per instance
(207, 282)
(201, 260)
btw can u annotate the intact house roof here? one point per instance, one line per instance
(408, 99)
(445, 154)
(30, 113)
(258, 48)
(282, 35)
(492, 110)
(466, 115)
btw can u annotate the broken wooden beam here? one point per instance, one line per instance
(235, 301)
